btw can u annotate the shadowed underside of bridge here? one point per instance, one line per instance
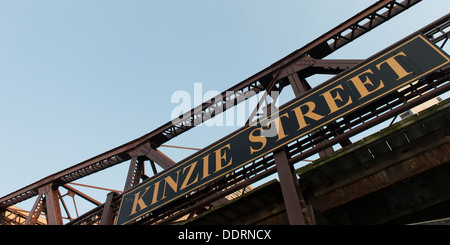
(400, 175)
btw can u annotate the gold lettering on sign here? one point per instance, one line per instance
(222, 156)
(361, 85)
(310, 113)
(257, 139)
(396, 67)
(331, 101)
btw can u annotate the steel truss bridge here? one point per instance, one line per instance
(291, 72)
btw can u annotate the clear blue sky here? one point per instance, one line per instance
(78, 78)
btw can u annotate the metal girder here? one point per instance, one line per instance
(159, 158)
(65, 176)
(134, 173)
(82, 195)
(52, 208)
(108, 215)
(292, 194)
(35, 211)
(15, 216)
(379, 13)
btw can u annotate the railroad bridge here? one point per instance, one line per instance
(398, 175)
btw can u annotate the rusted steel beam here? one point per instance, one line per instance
(62, 177)
(52, 208)
(36, 211)
(82, 195)
(160, 158)
(107, 215)
(132, 171)
(292, 195)
(96, 187)
(299, 85)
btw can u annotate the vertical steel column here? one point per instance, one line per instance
(107, 215)
(53, 210)
(2, 214)
(299, 85)
(131, 174)
(292, 195)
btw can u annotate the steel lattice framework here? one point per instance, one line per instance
(292, 70)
